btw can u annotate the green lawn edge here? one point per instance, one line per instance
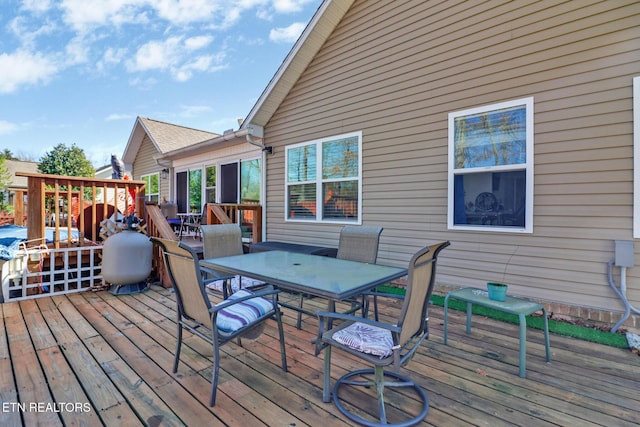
(536, 322)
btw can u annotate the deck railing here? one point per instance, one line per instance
(71, 202)
(38, 271)
(65, 229)
(248, 215)
(63, 252)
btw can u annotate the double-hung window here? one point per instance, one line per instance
(210, 184)
(324, 179)
(491, 167)
(152, 187)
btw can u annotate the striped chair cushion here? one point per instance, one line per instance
(232, 318)
(366, 338)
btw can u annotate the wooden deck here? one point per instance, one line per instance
(92, 358)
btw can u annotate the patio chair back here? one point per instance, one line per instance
(359, 243)
(420, 282)
(191, 296)
(356, 243)
(220, 240)
(169, 210)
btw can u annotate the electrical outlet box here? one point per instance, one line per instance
(624, 253)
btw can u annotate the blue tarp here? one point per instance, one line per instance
(10, 238)
(12, 235)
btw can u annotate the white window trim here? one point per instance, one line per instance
(528, 228)
(636, 157)
(318, 181)
(204, 181)
(147, 195)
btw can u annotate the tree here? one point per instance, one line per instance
(69, 161)
(8, 155)
(5, 181)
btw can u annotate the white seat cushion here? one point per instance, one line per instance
(232, 318)
(366, 338)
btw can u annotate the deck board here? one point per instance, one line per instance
(115, 354)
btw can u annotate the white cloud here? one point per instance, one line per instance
(37, 6)
(25, 68)
(287, 34)
(115, 116)
(289, 6)
(7, 128)
(199, 42)
(204, 63)
(156, 54)
(111, 57)
(175, 54)
(143, 84)
(28, 32)
(77, 50)
(194, 110)
(187, 11)
(85, 15)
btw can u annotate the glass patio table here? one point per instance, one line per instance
(331, 278)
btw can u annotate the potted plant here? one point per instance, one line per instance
(497, 291)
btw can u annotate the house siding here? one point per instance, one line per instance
(145, 164)
(394, 70)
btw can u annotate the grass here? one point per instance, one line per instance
(555, 326)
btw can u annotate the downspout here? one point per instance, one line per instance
(251, 141)
(263, 179)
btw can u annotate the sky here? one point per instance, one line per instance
(79, 72)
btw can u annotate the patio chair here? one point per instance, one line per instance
(170, 212)
(243, 314)
(383, 345)
(195, 224)
(356, 243)
(220, 240)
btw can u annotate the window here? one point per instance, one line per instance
(250, 181)
(195, 190)
(152, 187)
(491, 167)
(210, 184)
(323, 179)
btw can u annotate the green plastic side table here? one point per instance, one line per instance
(511, 305)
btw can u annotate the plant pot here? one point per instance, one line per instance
(497, 291)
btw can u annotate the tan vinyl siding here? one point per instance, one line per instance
(394, 70)
(145, 164)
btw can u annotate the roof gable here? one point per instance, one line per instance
(322, 24)
(166, 137)
(14, 166)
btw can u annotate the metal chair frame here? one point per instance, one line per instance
(410, 330)
(196, 314)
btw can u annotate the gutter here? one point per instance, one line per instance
(228, 136)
